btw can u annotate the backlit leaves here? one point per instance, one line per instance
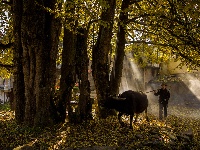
(6, 55)
(168, 24)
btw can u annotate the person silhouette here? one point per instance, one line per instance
(164, 96)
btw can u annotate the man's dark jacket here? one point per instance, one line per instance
(164, 95)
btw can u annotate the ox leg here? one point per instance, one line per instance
(131, 121)
(119, 118)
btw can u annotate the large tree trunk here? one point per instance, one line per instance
(46, 74)
(68, 75)
(82, 62)
(67, 80)
(18, 85)
(31, 41)
(40, 34)
(100, 66)
(116, 73)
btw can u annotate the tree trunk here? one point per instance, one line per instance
(67, 80)
(82, 62)
(40, 34)
(31, 41)
(46, 65)
(18, 85)
(116, 73)
(100, 66)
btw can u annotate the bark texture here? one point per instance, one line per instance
(38, 43)
(68, 75)
(82, 62)
(100, 66)
(18, 85)
(46, 65)
(67, 80)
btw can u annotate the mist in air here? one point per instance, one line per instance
(184, 89)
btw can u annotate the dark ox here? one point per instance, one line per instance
(129, 103)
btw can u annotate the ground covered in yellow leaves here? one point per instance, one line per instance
(174, 133)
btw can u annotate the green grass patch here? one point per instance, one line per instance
(5, 107)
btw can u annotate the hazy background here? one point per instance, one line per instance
(184, 89)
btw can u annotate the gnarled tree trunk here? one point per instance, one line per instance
(46, 65)
(39, 30)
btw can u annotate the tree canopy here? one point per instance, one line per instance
(6, 57)
(173, 26)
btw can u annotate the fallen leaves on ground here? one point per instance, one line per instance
(173, 133)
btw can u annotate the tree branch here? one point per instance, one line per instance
(7, 2)
(153, 43)
(4, 46)
(8, 67)
(140, 16)
(135, 1)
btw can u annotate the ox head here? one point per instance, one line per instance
(110, 102)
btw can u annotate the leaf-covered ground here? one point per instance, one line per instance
(174, 133)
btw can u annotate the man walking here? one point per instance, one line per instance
(164, 96)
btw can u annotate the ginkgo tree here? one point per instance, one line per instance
(171, 25)
(151, 29)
